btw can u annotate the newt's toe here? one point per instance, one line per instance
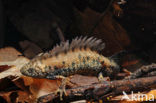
(61, 91)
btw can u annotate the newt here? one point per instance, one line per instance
(80, 56)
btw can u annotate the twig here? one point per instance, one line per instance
(143, 71)
(153, 73)
(102, 90)
(60, 34)
(58, 31)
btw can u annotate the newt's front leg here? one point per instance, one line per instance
(62, 87)
(61, 90)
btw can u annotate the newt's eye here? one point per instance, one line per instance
(30, 72)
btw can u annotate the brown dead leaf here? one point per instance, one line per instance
(27, 80)
(9, 57)
(150, 95)
(117, 10)
(17, 96)
(15, 70)
(8, 54)
(24, 97)
(4, 67)
(6, 95)
(119, 98)
(30, 49)
(37, 87)
(41, 87)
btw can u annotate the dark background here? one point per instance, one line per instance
(38, 22)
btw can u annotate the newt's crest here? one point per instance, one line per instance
(78, 57)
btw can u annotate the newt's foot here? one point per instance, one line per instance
(61, 91)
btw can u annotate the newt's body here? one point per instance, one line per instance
(78, 57)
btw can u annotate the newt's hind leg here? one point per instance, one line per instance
(101, 78)
(104, 80)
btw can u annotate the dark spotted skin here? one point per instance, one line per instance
(83, 65)
(87, 67)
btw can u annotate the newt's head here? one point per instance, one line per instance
(35, 69)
